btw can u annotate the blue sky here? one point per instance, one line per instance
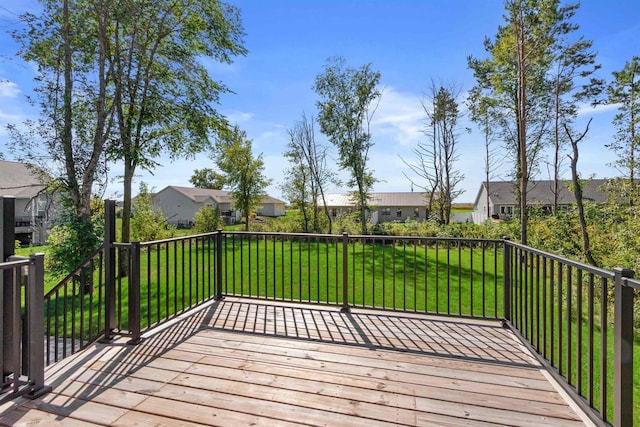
(410, 42)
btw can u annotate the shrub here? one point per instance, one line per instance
(72, 241)
(208, 219)
(148, 223)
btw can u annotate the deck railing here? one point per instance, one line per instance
(21, 334)
(577, 319)
(74, 309)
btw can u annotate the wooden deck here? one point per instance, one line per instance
(240, 362)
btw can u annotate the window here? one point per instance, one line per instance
(416, 213)
(334, 212)
(386, 211)
(399, 213)
(506, 210)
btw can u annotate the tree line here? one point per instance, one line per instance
(123, 81)
(537, 73)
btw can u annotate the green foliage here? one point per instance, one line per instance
(70, 91)
(515, 79)
(350, 224)
(244, 174)
(345, 112)
(488, 230)
(148, 223)
(625, 91)
(207, 178)
(71, 241)
(208, 219)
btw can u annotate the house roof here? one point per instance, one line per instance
(541, 192)
(20, 180)
(379, 199)
(200, 195)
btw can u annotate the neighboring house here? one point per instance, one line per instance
(383, 207)
(503, 202)
(271, 207)
(179, 204)
(34, 208)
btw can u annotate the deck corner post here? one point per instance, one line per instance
(7, 292)
(134, 293)
(623, 349)
(35, 320)
(345, 273)
(506, 273)
(219, 295)
(109, 269)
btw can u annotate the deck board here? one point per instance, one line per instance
(241, 362)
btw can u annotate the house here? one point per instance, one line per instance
(179, 204)
(499, 200)
(34, 208)
(383, 207)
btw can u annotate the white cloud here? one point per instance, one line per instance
(8, 89)
(589, 110)
(399, 116)
(238, 117)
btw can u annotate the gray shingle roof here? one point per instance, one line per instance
(379, 199)
(19, 180)
(541, 192)
(220, 196)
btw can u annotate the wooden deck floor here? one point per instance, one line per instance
(239, 362)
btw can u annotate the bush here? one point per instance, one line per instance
(147, 223)
(208, 219)
(72, 241)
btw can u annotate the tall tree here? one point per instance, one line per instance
(67, 43)
(309, 173)
(298, 188)
(435, 160)
(207, 178)
(577, 191)
(571, 72)
(515, 76)
(483, 113)
(624, 90)
(244, 174)
(348, 99)
(164, 95)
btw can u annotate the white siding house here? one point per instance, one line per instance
(179, 204)
(383, 207)
(498, 199)
(35, 209)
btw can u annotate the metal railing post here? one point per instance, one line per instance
(109, 269)
(134, 293)
(35, 331)
(506, 272)
(219, 295)
(345, 273)
(8, 341)
(623, 349)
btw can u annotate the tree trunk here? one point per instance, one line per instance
(126, 217)
(556, 158)
(577, 190)
(522, 134)
(81, 208)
